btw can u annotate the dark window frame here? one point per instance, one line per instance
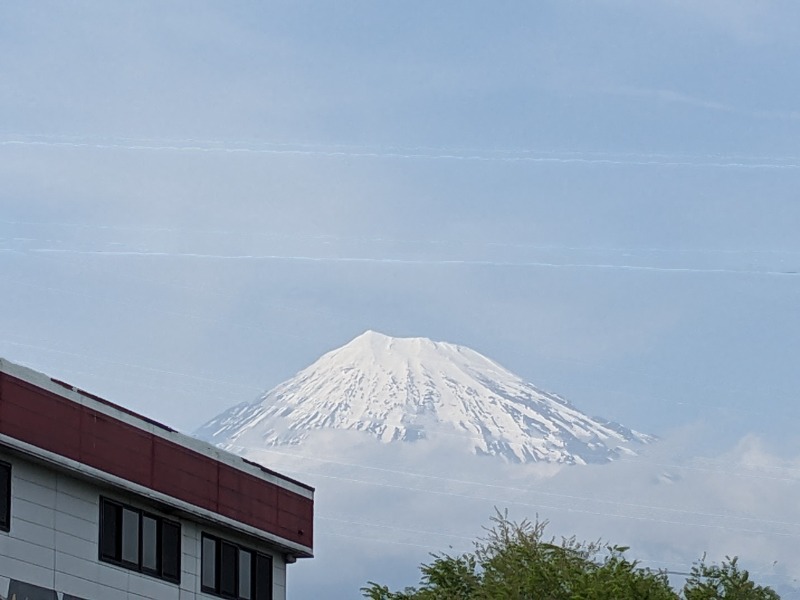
(5, 481)
(116, 509)
(265, 575)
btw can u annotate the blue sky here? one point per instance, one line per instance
(516, 159)
(199, 198)
(624, 329)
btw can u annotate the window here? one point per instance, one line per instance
(139, 540)
(5, 496)
(130, 536)
(231, 571)
(149, 543)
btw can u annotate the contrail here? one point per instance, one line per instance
(609, 159)
(381, 149)
(135, 366)
(380, 239)
(406, 261)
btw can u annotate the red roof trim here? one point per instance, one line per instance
(78, 432)
(127, 411)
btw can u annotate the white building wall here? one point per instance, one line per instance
(53, 542)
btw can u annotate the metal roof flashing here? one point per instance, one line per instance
(96, 438)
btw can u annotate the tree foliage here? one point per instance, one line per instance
(515, 561)
(708, 582)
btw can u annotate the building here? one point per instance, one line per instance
(100, 503)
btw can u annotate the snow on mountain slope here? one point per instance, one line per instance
(406, 389)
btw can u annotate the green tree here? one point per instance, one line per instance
(515, 561)
(728, 581)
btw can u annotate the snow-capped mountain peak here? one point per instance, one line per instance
(406, 389)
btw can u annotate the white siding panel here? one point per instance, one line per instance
(25, 551)
(33, 533)
(24, 510)
(39, 474)
(190, 565)
(25, 571)
(278, 592)
(55, 527)
(80, 528)
(85, 588)
(75, 546)
(79, 507)
(92, 570)
(148, 587)
(278, 571)
(72, 487)
(278, 578)
(36, 484)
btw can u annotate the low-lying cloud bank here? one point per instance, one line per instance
(382, 509)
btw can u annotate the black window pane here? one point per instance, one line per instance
(170, 550)
(139, 541)
(130, 536)
(149, 543)
(110, 524)
(263, 577)
(5, 496)
(245, 575)
(209, 568)
(228, 572)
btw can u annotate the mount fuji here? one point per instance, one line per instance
(407, 389)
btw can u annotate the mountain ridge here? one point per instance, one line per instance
(408, 389)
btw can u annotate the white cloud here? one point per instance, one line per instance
(382, 508)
